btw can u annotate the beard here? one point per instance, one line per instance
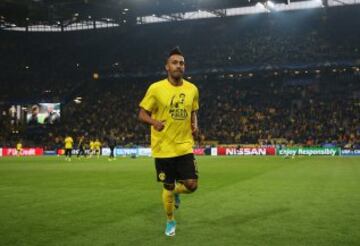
(177, 75)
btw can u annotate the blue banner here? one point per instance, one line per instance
(350, 152)
(125, 151)
(50, 152)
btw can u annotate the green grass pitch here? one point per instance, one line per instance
(240, 201)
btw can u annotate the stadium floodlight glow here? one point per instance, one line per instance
(270, 4)
(263, 6)
(259, 5)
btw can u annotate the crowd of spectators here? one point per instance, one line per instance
(312, 111)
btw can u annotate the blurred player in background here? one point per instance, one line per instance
(81, 147)
(112, 144)
(92, 148)
(69, 142)
(97, 147)
(19, 148)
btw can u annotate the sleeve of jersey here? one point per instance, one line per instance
(195, 105)
(148, 101)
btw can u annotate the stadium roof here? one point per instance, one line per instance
(22, 12)
(63, 15)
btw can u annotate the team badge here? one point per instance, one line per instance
(162, 176)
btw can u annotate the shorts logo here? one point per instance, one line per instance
(162, 176)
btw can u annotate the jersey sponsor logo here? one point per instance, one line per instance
(177, 107)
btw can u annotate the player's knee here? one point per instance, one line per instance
(169, 186)
(191, 186)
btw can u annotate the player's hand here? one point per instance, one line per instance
(159, 125)
(194, 129)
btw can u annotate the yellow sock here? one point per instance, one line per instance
(169, 203)
(181, 188)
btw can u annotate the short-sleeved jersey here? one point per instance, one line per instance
(19, 146)
(92, 145)
(173, 105)
(69, 142)
(97, 145)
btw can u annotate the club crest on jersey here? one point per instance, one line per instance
(162, 176)
(177, 107)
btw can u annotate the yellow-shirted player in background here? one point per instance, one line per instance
(69, 142)
(92, 148)
(97, 147)
(19, 148)
(170, 107)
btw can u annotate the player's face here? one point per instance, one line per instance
(175, 66)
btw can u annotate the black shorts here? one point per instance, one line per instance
(68, 151)
(169, 170)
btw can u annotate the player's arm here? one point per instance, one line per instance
(194, 110)
(147, 105)
(145, 116)
(194, 123)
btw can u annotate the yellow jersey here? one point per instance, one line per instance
(69, 143)
(173, 105)
(97, 145)
(18, 146)
(92, 145)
